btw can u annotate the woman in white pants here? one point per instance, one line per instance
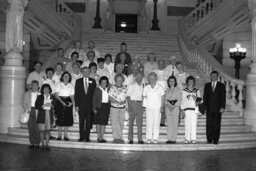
(154, 95)
(188, 106)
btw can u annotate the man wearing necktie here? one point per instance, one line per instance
(84, 89)
(215, 102)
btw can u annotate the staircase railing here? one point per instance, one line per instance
(73, 20)
(201, 12)
(202, 59)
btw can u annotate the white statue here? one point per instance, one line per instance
(14, 24)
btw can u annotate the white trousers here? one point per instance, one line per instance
(153, 117)
(190, 125)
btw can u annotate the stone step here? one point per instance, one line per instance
(163, 130)
(226, 122)
(239, 144)
(201, 138)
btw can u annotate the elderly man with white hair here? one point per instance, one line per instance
(170, 69)
(154, 102)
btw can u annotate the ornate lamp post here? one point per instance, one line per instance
(155, 21)
(97, 18)
(237, 53)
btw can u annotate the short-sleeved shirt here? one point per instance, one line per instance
(148, 67)
(110, 67)
(132, 79)
(65, 90)
(135, 91)
(40, 77)
(181, 80)
(170, 70)
(56, 78)
(153, 96)
(119, 94)
(103, 72)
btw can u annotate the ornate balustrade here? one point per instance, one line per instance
(203, 60)
(61, 9)
(202, 11)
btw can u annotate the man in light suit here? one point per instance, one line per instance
(215, 102)
(84, 89)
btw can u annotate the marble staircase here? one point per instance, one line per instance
(234, 133)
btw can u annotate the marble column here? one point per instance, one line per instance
(97, 18)
(12, 73)
(250, 109)
(155, 21)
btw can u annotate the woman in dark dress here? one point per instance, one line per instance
(64, 105)
(101, 107)
(44, 106)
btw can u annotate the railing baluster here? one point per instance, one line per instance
(233, 92)
(240, 96)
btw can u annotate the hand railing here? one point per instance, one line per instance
(63, 10)
(201, 12)
(200, 57)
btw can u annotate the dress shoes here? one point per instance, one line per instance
(66, 138)
(52, 138)
(87, 140)
(130, 142)
(31, 146)
(141, 142)
(81, 139)
(58, 139)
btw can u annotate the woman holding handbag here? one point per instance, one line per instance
(172, 104)
(44, 110)
(101, 107)
(29, 106)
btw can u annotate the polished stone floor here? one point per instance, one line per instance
(19, 157)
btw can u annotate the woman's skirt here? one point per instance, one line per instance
(64, 114)
(101, 118)
(34, 134)
(47, 125)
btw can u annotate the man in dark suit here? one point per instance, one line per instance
(215, 102)
(84, 90)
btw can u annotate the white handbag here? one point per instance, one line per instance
(24, 117)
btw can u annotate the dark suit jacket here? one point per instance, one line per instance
(82, 100)
(41, 112)
(214, 100)
(97, 98)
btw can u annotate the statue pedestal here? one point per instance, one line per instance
(250, 109)
(12, 87)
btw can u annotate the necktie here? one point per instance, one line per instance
(213, 86)
(85, 85)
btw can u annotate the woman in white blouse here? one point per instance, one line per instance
(58, 72)
(151, 65)
(109, 64)
(64, 104)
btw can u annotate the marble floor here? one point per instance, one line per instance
(19, 157)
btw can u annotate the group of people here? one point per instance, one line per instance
(82, 86)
